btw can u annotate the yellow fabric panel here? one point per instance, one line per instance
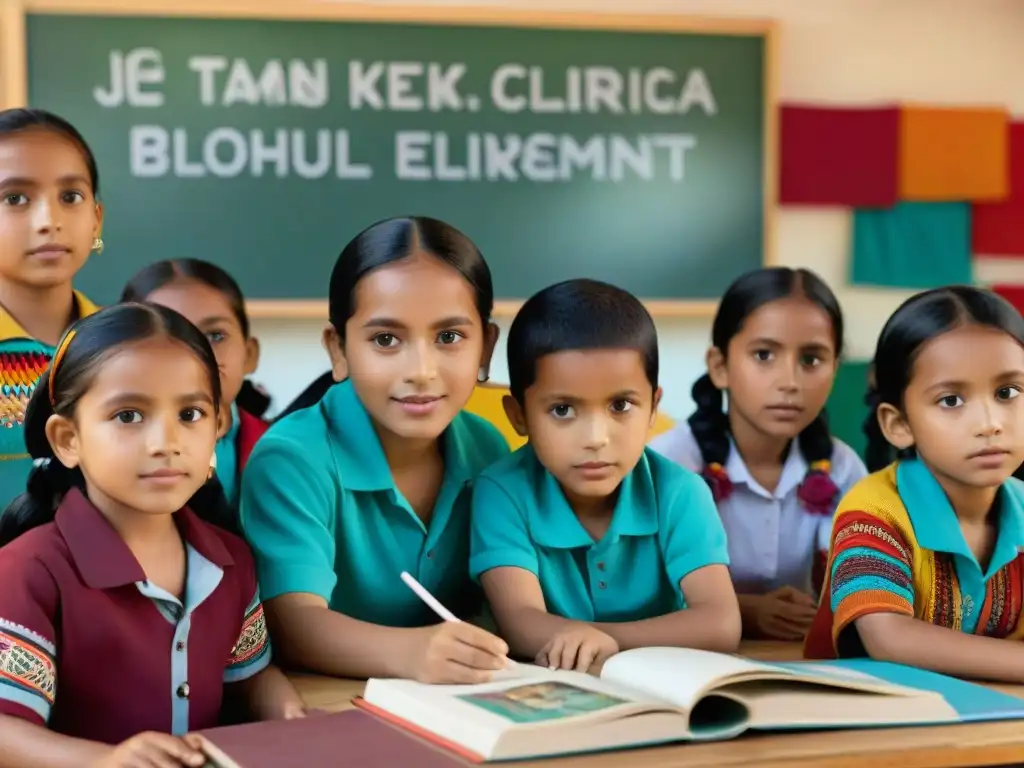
(485, 402)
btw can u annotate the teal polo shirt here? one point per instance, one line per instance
(937, 528)
(322, 514)
(664, 526)
(227, 459)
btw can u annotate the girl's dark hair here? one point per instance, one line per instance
(392, 240)
(915, 322)
(311, 395)
(22, 119)
(96, 339)
(748, 293)
(161, 273)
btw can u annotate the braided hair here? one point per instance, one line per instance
(709, 423)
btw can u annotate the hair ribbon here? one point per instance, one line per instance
(58, 356)
(818, 491)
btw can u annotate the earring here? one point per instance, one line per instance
(97, 245)
(482, 376)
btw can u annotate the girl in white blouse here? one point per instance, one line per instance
(775, 471)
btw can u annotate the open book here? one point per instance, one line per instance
(656, 695)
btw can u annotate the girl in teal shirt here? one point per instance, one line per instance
(339, 498)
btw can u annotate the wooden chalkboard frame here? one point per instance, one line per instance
(14, 78)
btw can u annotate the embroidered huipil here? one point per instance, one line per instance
(91, 649)
(22, 361)
(897, 548)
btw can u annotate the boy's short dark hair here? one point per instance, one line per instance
(577, 315)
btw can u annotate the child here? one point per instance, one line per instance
(211, 299)
(122, 428)
(585, 542)
(50, 220)
(339, 498)
(775, 471)
(925, 565)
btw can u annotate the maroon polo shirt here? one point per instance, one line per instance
(91, 649)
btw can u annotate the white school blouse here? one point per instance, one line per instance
(772, 538)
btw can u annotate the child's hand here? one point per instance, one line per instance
(579, 646)
(293, 711)
(785, 614)
(455, 652)
(154, 750)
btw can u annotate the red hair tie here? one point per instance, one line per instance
(817, 493)
(718, 479)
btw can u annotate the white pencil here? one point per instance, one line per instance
(436, 606)
(429, 599)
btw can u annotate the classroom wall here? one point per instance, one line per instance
(839, 51)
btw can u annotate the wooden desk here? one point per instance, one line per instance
(950, 746)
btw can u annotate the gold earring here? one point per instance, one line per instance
(97, 245)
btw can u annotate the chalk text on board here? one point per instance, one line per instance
(136, 78)
(412, 86)
(277, 83)
(538, 157)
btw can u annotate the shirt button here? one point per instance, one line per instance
(601, 585)
(430, 554)
(180, 646)
(183, 691)
(600, 566)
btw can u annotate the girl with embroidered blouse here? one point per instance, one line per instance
(925, 561)
(51, 221)
(775, 471)
(113, 564)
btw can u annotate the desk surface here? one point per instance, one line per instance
(947, 746)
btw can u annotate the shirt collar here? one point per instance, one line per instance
(794, 469)
(11, 328)
(359, 454)
(935, 522)
(557, 527)
(232, 433)
(101, 555)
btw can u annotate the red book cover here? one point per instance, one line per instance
(349, 738)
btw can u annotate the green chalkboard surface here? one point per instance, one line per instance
(265, 145)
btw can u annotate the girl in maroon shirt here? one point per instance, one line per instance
(126, 613)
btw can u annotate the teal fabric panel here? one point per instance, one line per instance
(912, 245)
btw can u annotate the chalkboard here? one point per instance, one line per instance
(563, 148)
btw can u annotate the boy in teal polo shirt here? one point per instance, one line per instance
(586, 542)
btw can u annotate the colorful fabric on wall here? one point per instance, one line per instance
(1013, 294)
(912, 245)
(997, 229)
(953, 154)
(837, 156)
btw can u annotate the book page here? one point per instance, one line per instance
(476, 716)
(681, 676)
(215, 757)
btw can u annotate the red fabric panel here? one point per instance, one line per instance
(998, 228)
(839, 156)
(1013, 294)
